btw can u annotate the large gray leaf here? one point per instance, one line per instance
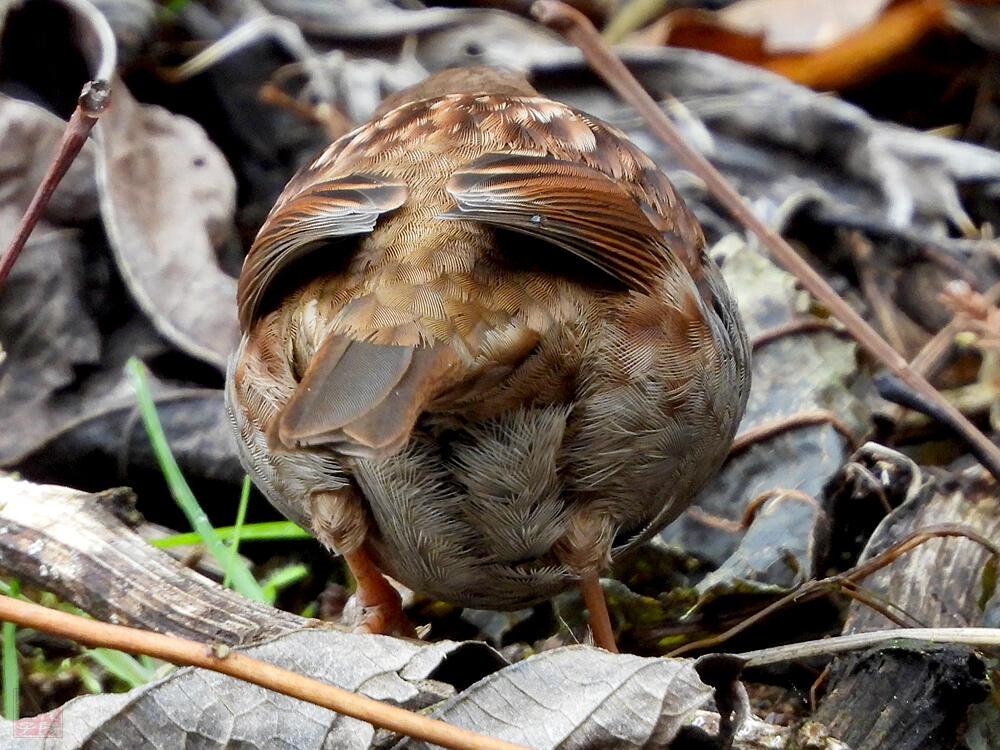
(46, 330)
(198, 708)
(580, 697)
(167, 196)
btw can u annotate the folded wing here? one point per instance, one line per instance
(569, 205)
(323, 211)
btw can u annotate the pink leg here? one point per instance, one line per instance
(381, 604)
(597, 609)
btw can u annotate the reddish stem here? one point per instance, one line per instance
(92, 103)
(219, 659)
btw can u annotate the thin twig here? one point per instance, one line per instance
(931, 353)
(881, 306)
(893, 389)
(883, 605)
(184, 652)
(93, 101)
(811, 589)
(577, 29)
(792, 328)
(101, 48)
(754, 506)
(839, 644)
(773, 427)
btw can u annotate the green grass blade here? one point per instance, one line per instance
(10, 671)
(234, 544)
(85, 673)
(243, 580)
(126, 668)
(281, 578)
(251, 532)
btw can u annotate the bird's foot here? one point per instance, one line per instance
(376, 607)
(382, 618)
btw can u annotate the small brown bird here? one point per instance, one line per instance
(484, 351)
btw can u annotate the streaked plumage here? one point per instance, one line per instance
(483, 347)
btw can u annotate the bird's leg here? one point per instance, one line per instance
(340, 521)
(381, 605)
(597, 611)
(585, 549)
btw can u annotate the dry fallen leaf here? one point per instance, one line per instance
(800, 25)
(198, 708)
(814, 42)
(46, 329)
(167, 197)
(581, 697)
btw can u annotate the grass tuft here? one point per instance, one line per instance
(239, 574)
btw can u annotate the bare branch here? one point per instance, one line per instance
(184, 652)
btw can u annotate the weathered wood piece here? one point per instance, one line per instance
(905, 697)
(76, 545)
(911, 696)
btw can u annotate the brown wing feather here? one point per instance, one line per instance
(361, 398)
(344, 381)
(324, 210)
(570, 205)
